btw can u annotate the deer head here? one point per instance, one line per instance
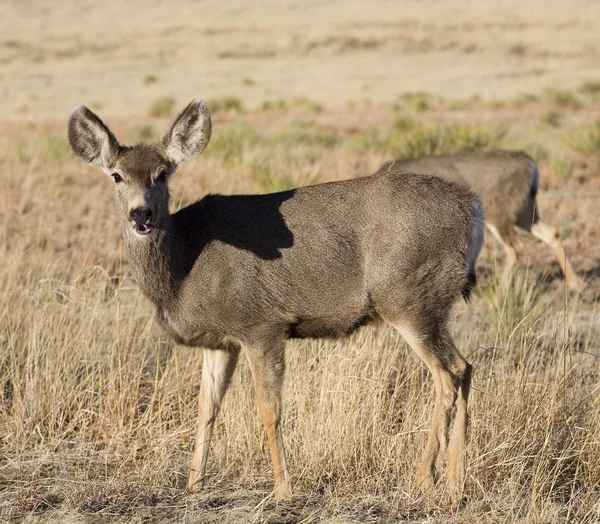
(141, 173)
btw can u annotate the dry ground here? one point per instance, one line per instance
(97, 406)
(122, 55)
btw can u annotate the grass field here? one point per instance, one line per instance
(98, 406)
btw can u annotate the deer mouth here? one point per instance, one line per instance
(143, 229)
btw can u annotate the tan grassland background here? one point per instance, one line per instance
(97, 406)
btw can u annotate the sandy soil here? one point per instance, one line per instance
(54, 54)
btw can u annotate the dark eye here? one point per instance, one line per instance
(116, 177)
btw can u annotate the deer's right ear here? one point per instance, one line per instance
(189, 134)
(91, 140)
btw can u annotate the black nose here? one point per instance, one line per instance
(141, 215)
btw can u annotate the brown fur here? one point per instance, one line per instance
(247, 272)
(507, 183)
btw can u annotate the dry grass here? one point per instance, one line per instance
(97, 407)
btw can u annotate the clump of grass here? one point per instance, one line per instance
(54, 149)
(17, 150)
(512, 310)
(300, 132)
(150, 79)
(551, 118)
(270, 105)
(307, 103)
(290, 157)
(562, 98)
(161, 107)
(586, 141)
(241, 141)
(523, 100)
(367, 140)
(402, 124)
(418, 101)
(531, 145)
(562, 166)
(225, 103)
(463, 105)
(455, 138)
(536, 150)
(230, 143)
(270, 177)
(248, 82)
(497, 104)
(590, 87)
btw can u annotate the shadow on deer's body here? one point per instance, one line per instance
(233, 273)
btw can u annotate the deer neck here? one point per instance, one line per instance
(153, 262)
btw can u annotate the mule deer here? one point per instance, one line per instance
(232, 273)
(507, 183)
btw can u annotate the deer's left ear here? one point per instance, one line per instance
(189, 134)
(91, 139)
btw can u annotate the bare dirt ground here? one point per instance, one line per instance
(97, 406)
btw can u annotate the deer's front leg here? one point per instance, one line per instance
(268, 371)
(217, 369)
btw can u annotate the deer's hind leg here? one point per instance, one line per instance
(267, 362)
(217, 369)
(448, 431)
(512, 247)
(529, 220)
(549, 235)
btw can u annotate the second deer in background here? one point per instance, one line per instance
(507, 183)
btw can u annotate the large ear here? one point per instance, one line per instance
(189, 134)
(91, 140)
